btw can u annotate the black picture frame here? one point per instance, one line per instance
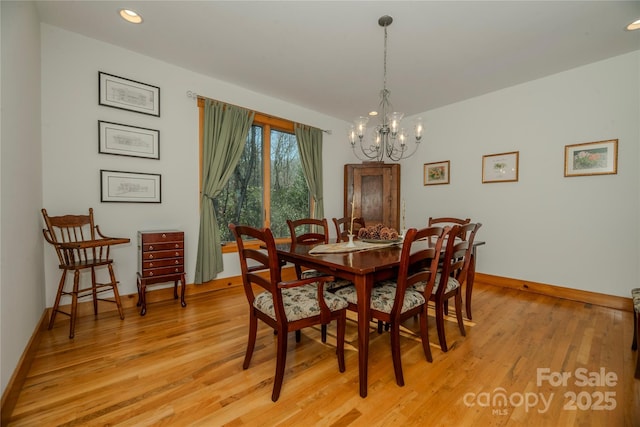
(130, 187)
(126, 94)
(126, 140)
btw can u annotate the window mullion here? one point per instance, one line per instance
(266, 179)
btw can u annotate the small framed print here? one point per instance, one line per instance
(125, 94)
(125, 140)
(591, 158)
(436, 173)
(501, 167)
(129, 187)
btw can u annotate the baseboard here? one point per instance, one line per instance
(12, 391)
(610, 301)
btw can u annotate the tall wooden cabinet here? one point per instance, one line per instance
(375, 187)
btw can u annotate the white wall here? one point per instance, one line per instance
(578, 232)
(70, 65)
(21, 248)
(544, 228)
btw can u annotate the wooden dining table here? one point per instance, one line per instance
(363, 268)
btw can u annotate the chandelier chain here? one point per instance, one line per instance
(384, 84)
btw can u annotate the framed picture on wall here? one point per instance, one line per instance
(501, 167)
(129, 187)
(125, 94)
(436, 173)
(591, 158)
(125, 140)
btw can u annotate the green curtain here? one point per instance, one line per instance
(225, 133)
(310, 147)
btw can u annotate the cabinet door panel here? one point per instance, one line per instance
(376, 191)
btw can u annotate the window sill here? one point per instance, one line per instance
(231, 247)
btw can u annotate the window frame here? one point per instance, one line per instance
(268, 123)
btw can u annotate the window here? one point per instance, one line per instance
(268, 185)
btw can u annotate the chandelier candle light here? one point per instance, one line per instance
(353, 210)
(388, 138)
(404, 224)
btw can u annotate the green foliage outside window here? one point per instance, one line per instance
(242, 201)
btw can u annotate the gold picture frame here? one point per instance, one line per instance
(502, 167)
(591, 158)
(436, 173)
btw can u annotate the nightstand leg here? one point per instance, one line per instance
(184, 285)
(142, 298)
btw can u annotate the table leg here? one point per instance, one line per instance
(363, 286)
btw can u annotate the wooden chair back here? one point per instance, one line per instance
(458, 253)
(420, 257)
(342, 227)
(447, 220)
(308, 231)
(259, 265)
(62, 231)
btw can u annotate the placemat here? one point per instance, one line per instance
(334, 248)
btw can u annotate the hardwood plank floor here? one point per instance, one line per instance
(180, 367)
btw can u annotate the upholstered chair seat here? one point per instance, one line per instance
(299, 303)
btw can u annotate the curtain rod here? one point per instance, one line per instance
(194, 95)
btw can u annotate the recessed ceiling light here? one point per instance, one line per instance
(635, 25)
(130, 16)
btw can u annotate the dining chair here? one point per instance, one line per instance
(452, 275)
(447, 220)
(309, 232)
(284, 306)
(80, 245)
(393, 301)
(342, 227)
(635, 295)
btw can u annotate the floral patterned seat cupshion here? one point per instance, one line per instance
(285, 306)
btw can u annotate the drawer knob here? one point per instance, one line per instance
(176, 262)
(177, 253)
(150, 264)
(177, 269)
(177, 246)
(151, 247)
(150, 256)
(164, 236)
(151, 273)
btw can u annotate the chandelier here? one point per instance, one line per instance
(388, 138)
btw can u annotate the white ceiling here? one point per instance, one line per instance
(328, 55)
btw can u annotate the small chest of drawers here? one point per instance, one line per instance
(160, 260)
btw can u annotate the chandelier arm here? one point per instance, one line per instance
(376, 154)
(392, 154)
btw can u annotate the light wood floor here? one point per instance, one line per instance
(178, 367)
